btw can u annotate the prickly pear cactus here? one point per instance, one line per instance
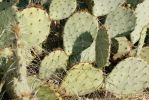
(142, 20)
(54, 61)
(124, 79)
(78, 80)
(34, 25)
(144, 54)
(5, 4)
(120, 21)
(41, 90)
(101, 7)
(120, 47)
(7, 19)
(102, 51)
(79, 36)
(88, 55)
(61, 9)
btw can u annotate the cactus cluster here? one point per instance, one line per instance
(74, 49)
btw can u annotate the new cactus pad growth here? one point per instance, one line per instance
(74, 49)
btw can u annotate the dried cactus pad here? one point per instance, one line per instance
(142, 15)
(79, 32)
(129, 77)
(103, 7)
(61, 9)
(34, 25)
(82, 79)
(102, 47)
(7, 37)
(120, 21)
(55, 60)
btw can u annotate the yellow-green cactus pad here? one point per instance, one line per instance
(55, 60)
(129, 77)
(82, 79)
(144, 53)
(34, 25)
(61, 9)
(79, 32)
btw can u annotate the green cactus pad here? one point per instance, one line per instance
(103, 7)
(120, 21)
(82, 79)
(88, 55)
(7, 37)
(102, 47)
(142, 15)
(5, 4)
(61, 9)
(42, 90)
(79, 32)
(55, 60)
(120, 47)
(34, 25)
(129, 77)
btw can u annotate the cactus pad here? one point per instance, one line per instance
(82, 79)
(34, 25)
(103, 7)
(7, 19)
(88, 55)
(61, 9)
(120, 47)
(42, 90)
(129, 77)
(102, 47)
(79, 32)
(120, 21)
(55, 60)
(144, 54)
(6, 4)
(142, 15)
